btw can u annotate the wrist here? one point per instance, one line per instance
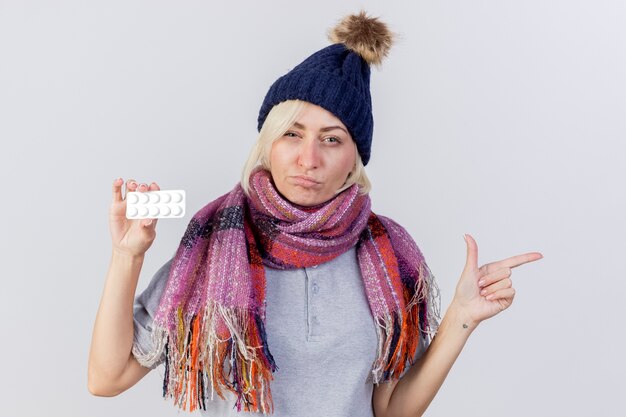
(461, 317)
(127, 257)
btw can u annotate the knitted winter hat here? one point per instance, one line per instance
(337, 77)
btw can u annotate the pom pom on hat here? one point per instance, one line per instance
(367, 36)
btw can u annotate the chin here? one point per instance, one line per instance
(306, 200)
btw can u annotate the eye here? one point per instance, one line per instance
(332, 139)
(291, 134)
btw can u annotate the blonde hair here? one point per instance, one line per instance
(278, 121)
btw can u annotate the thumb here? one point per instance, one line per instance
(149, 223)
(471, 262)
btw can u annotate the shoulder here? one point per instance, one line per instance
(152, 293)
(401, 239)
(394, 228)
(391, 225)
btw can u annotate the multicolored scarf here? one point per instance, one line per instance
(210, 323)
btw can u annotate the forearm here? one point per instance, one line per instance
(112, 337)
(417, 388)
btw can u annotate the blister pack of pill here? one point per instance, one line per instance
(164, 204)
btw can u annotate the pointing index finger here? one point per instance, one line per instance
(512, 262)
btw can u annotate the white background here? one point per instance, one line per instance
(502, 119)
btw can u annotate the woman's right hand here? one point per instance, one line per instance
(131, 237)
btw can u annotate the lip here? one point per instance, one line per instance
(304, 180)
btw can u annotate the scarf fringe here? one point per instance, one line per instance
(397, 340)
(428, 296)
(151, 358)
(201, 362)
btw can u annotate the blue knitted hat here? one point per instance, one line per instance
(337, 77)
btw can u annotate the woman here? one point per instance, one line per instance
(287, 295)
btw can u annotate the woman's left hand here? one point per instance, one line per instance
(483, 292)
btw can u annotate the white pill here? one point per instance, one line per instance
(155, 204)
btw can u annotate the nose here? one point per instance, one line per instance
(309, 154)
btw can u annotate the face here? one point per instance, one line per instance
(312, 159)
